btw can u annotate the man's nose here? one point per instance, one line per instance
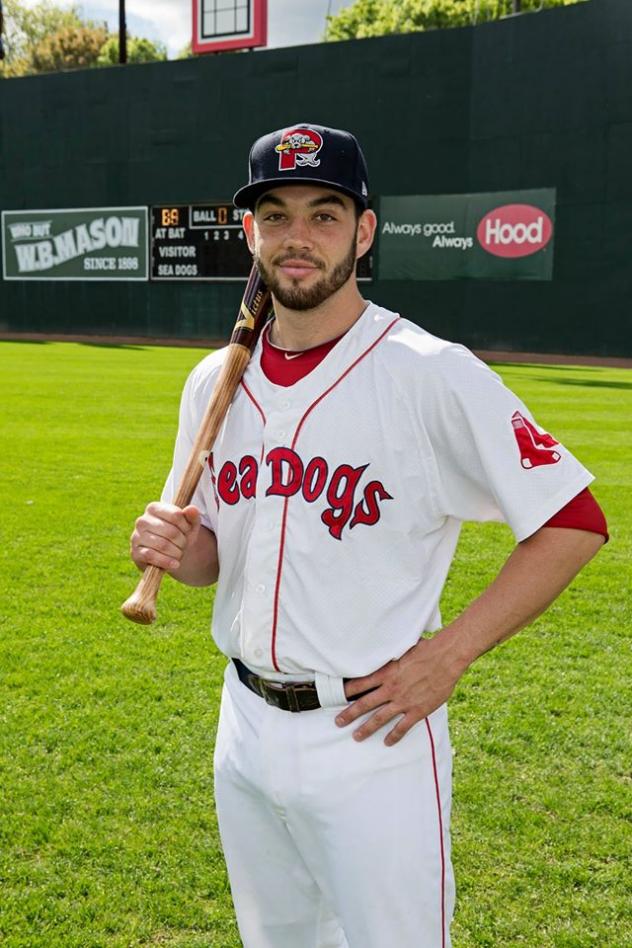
(298, 233)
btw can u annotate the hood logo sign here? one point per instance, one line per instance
(299, 147)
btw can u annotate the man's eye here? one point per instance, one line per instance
(324, 216)
(274, 217)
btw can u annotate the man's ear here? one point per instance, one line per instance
(248, 223)
(366, 231)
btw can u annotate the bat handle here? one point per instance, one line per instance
(141, 605)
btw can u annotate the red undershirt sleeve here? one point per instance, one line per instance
(581, 513)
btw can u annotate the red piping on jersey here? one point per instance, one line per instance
(436, 782)
(259, 409)
(277, 587)
(253, 400)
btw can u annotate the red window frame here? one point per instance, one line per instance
(258, 35)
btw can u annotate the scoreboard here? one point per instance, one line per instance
(206, 242)
(198, 242)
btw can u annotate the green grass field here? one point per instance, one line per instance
(107, 829)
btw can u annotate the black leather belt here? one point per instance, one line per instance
(288, 695)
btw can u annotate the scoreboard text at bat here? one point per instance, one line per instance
(199, 242)
(206, 242)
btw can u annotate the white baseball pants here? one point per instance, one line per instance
(331, 843)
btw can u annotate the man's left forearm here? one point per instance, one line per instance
(535, 574)
(413, 687)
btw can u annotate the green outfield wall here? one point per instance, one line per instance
(538, 102)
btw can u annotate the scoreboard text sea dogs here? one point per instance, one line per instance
(205, 242)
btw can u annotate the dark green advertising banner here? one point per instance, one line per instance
(92, 243)
(501, 235)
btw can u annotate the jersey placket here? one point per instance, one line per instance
(284, 419)
(283, 413)
(265, 547)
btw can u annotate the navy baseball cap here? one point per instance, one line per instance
(306, 154)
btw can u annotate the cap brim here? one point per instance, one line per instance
(247, 196)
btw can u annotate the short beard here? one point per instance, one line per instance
(299, 298)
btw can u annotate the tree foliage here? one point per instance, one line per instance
(366, 18)
(25, 28)
(139, 50)
(48, 38)
(74, 47)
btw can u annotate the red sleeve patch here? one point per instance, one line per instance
(536, 448)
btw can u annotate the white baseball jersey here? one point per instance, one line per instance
(337, 502)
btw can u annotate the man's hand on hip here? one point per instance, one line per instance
(410, 689)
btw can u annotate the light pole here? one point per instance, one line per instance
(516, 6)
(122, 33)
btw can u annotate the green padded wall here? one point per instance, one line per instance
(539, 100)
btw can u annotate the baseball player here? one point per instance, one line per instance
(328, 513)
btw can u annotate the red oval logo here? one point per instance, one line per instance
(514, 230)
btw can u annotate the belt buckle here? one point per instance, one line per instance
(292, 697)
(283, 695)
(294, 692)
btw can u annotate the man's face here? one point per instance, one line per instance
(305, 241)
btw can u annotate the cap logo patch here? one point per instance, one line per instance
(299, 147)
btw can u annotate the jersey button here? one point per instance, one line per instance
(258, 652)
(260, 588)
(285, 405)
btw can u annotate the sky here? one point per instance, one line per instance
(290, 22)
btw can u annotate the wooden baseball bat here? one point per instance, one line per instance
(255, 308)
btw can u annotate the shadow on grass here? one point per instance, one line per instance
(546, 367)
(27, 342)
(76, 342)
(115, 345)
(588, 383)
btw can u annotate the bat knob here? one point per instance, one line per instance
(142, 613)
(141, 605)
